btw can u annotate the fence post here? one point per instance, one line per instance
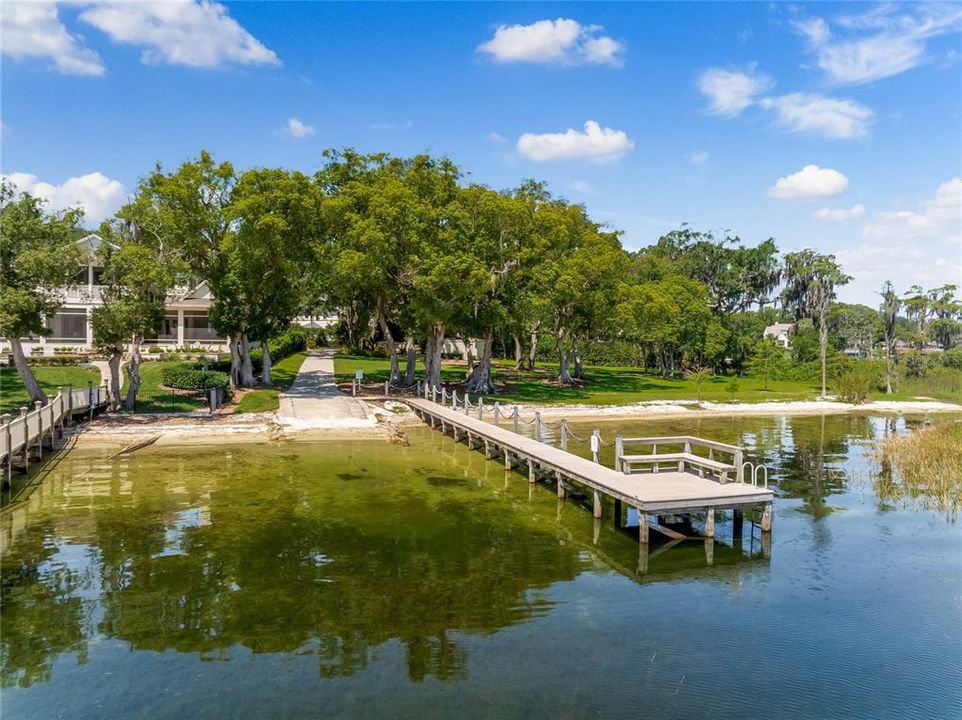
(564, 435)
(60, 393)
(5, 429)
(596, 445)
(739, 466)
(53, 425)
(481, 408)
(69, 408)
(37, 405)
(497, 412)
(26, 438)
(619, 451)
(537, 425)
(467, 402)
(434, 394)
(454, 399)
(90, 399)
(387, 388)
(516, 417)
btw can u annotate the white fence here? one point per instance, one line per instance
(32, 427)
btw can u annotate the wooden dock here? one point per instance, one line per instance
(25, 435)
(658, 493)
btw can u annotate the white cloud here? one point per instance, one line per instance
(809, 183)
(699, 157)
(799, 112)
(938, 218)
(583, 187)
(298, 129)
(731, 91)
(894, 43)
(920, 246)
(34, 29)
(496, 137)
(98, 195)
(840, 214)
(595, 143)
(196, 33)
(561, 41)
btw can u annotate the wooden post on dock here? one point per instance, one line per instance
(596, 445)
(517, 415)
(739, 466)
(5, 429)
(497, 412)
(596, 510)
(564, 435)
(507, 459)
(710, 523)
(561, 484)
(617, 513)
(69, 406)
(487, 449)
(26, 439)
(537, 425)
(642, 527)
(767, 518)
(619, 451)
(531, 474)
(90, 399)
(710, 550)
(481, 408)
(738, 518)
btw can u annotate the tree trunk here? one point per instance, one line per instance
(265, 364)
(432, 356)
(247, 365)
(480, 379)
(116, 357)
(26, 374)
(389, 341)
(533, 350)
(579, 364)
(133, 372)
(233, 344)
(564, 375)
(823, 345)
(469, 354)
(888, 366)
(518, 353)
(411, 360)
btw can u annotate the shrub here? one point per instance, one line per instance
(185, 376)
(856, 384)
(56, 360)
(915, 365)
(953, 358)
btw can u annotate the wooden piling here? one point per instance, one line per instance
(531, 474)
(596, 509)
(710, 523)
(642, 527)
(767, 518)
(561, 484)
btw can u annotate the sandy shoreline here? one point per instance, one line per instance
(198, 429)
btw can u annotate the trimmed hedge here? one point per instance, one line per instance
(186, 376)
(55, 360)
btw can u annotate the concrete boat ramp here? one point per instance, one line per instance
(314, 402)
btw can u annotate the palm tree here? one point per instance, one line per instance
(810, 282)
(889, 311)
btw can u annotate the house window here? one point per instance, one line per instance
(197, 326)
(167, 331)
(68, 325)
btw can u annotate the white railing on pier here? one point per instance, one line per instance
(18, 434)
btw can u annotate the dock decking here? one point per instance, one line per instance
(662, 493)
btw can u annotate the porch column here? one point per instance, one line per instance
(90, 325)
(180, 327)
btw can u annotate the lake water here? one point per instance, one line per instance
(370, 580)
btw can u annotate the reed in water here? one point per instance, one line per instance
(924, 467)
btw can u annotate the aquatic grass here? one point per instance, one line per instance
(923, 468)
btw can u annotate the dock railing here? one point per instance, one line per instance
(687, 445)
(31, 429)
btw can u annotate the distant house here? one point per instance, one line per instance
(782, 332)
(185, 321)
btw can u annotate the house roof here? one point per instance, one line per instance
(92, 242)
(779, 328)
(198, 296)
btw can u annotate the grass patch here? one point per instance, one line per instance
(154, 397)
(605, 385)
(266, 400)
(13, 395)
(923, 469)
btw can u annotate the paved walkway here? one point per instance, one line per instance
(313, 400)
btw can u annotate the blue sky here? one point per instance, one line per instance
(834, 126)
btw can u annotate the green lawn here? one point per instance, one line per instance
(13, 395)
(605, 385)
(153, 397)
(266, 400)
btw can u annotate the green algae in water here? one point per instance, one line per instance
(369, 580)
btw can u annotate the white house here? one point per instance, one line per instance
(186, 322)
(782, 332)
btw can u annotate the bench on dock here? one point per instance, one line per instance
(681, 455)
